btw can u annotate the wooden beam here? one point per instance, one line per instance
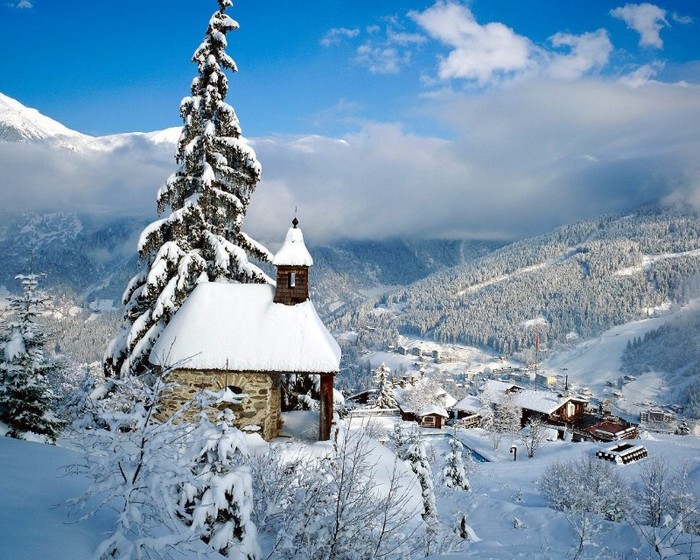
(325, 418)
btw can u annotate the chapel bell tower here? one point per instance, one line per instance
(292, 261)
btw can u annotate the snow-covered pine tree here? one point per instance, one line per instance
(218, 499)
(454, 473)
(25, 396)
(201, 240)
(418, 461)
(385, 390)
(402, 438)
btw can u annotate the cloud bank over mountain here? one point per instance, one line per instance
(508, 135)
(517, 162)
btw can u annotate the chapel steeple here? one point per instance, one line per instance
(292, 261)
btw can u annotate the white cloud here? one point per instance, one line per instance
(522, 161)
(388, 50)
(646, 19)
(404, 39)
(684, 20)
(337, 34)
(641, 75)
(381, 59)
(493, 53)
(119, 182)
(479, 52)
(587, 52)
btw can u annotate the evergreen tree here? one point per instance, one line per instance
(454, 473)
(218, 499)
(201, 239)
(418, 461)
(402, 439)
(385, 390)
(25, 396)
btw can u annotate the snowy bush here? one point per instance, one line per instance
(667, 510)
(173, 484)
(217, 499)
(331, 507)
(134, 466)
(500, 415)
(587, 491)
(532, 435)
(586, 485)
(665, 496)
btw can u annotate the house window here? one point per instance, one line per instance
(292, 279)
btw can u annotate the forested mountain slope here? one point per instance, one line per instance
(351, 271)
(95, 257)
(88, 256)
(88, 262)
(573, 282)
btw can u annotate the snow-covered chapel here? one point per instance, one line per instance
(246, 336)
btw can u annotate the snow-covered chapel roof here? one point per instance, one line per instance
(293, 251)
(237, 327)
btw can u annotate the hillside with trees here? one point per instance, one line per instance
(572, 283)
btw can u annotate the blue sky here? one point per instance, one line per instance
(464, 118)
(105, 67)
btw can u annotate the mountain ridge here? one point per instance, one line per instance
(574, 282)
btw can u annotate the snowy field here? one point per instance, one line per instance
(504, 509)
(597, 361)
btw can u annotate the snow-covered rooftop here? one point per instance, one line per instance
(237, 327)
(433, 409)
(498, 387)
(293, 251)
(406, 396)
(545, 402)
(539, 401)
(469, 403)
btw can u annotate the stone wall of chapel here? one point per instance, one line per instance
(261, 405)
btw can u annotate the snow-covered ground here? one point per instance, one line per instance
(507, 515)
(597, 361)
(34, 522)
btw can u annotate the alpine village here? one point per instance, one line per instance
(355, 399)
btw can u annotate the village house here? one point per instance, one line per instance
(432, 416)
(429, 410)
(656, 416)
(467, 412)
(552, 408)
(245, 337)
(545, 379)
(611, 431)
